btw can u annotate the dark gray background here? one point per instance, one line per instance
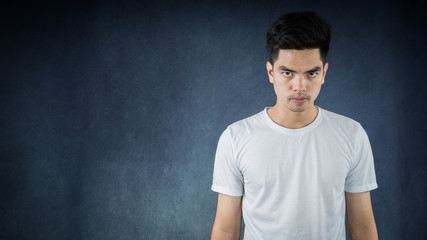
(111, 112)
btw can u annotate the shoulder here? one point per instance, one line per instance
(347, 130)
(341, 123)
(342, 127)
(246, 126)
(249, 122)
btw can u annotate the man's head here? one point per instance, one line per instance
(297, 44)
(298, 30)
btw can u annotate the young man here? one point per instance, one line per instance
(294, 169)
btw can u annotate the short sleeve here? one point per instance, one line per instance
(361, 177)
(227, 178)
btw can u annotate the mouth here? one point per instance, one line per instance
(298, 101)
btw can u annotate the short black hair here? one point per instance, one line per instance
(298, 30)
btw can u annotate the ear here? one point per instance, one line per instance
(269, 67)
(325, 68)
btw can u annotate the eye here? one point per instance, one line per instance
(287, 74)
(312, 74)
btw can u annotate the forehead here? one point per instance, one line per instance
(299, 59)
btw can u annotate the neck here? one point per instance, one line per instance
(292, 120)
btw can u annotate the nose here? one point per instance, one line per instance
(299, 84)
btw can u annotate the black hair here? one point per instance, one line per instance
(298, 30)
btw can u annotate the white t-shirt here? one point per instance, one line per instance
(293, 181)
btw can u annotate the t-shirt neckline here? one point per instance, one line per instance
(290, 131)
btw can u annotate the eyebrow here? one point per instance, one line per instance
(315, 69)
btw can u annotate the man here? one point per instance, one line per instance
(293, 169)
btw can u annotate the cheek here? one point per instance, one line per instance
(282, 82)
(282, 86)
(314, 84)
(282, 89)
(315, 89)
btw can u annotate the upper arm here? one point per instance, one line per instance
(228, 217)
(359, 210)
(361, 176)
(227, 177)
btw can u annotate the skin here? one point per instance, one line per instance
(296, 74)
(228, 219)
(360, 217)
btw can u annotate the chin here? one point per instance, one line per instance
(302, 108)
(297, 110)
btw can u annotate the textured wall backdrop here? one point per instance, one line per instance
(111, 112)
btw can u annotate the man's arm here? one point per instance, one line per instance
(228, 219)
(360, 217)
